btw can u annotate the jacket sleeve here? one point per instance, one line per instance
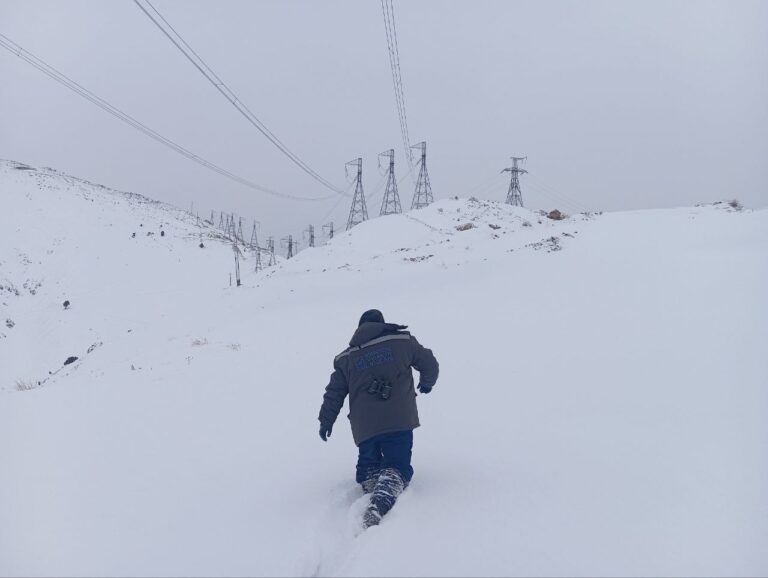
(425, 363)
(333, 399)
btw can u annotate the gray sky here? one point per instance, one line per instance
(618, 105)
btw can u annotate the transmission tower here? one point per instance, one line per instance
(240, 236)
(288, 242)
(221, 221)
(231, 227)
(391, 203)
(236, 251)
(254, 244)
(423, 195)
(359, 212)
(514, 196)
(311, 234)
(258, 266)
(329, 226)
(271, 249)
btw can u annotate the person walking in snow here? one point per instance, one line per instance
(375, 371)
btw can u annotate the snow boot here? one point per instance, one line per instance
(369, 485)
(371, 477)
(389, 486)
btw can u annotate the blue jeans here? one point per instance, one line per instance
(389, 450)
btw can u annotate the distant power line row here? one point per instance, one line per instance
(61, 78)
(231, 229)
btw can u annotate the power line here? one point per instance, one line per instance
(61, 78)
(400, 83)
(219, 84)
(557, 200)
(337, 203)
(562, 196)
(379, 188)
(393, 67)
(388, 12)
(483, 186)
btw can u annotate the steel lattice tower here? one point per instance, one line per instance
(359, 212)
(254, 244)
(514, 196)
(290, 244)
(391, 202)
(423, 195)
(258, 267)
(271, 249)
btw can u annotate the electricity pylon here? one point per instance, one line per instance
(271, 249)
(254, 246)
(237, 253)
(258, 267)
(423, 195)
(359, 212)
(254, 243)
(311, 235)
(329, 226)
(391, 202)
(514, 196)
(288, 242)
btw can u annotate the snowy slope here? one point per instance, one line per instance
(601, 409)
(112, 255)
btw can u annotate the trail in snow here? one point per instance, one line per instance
(336, 530)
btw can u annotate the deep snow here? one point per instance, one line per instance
(602, 407)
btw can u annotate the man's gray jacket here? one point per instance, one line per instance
(379, 356)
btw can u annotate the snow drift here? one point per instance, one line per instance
(601, 408)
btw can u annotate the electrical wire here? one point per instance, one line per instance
(61, 78)
(337, 203)
(177, 40)
(408, 154)
(397, 82)
(558, 201)
(556, 194)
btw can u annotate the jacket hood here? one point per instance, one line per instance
(373, 329)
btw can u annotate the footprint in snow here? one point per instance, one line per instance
(336, 530)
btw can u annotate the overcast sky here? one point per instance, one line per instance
(617, 105)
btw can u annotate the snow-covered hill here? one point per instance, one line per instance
(602, 407)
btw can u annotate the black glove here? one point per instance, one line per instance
(424, 388)
(325, 431)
